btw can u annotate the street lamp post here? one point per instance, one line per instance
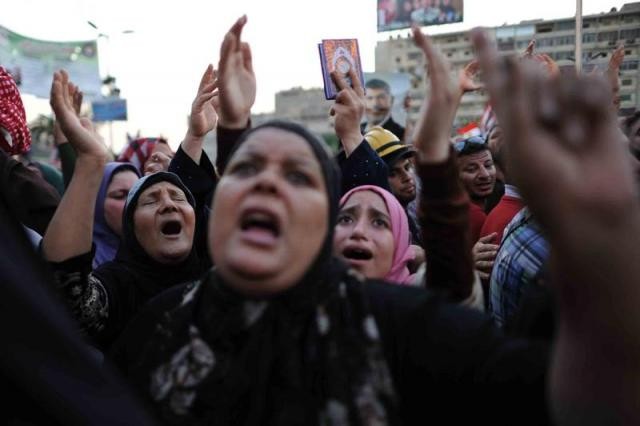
(109, 80)
(578, 36)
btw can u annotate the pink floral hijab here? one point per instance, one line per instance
(402, 253)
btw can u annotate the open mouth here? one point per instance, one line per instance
(260, 221)
(354, 253)
(172, 227)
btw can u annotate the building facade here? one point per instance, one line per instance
(600, 35)
(305, 106)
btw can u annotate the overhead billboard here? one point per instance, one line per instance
(399, 14)
(32, 63)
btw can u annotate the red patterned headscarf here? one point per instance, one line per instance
(15, 137)
(138, 151)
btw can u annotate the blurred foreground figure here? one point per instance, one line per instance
(48, 375)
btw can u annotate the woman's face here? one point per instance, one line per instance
(117, 192)
(363, 235)
(270, 213)
(164, 223)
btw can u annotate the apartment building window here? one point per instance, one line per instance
(589, 37)
(629, 65)
(608, 36)
(610, 20)
(544, 42)
(565, 25)
(414, 55)
(562, 41)
(506, 45)
(627, 82)
(545, 28)
(629, 34)
(563, 55)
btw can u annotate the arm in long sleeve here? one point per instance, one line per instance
(83, 292)
(363, 167)
(227, 139)
(67, 160)
(444, 217)
(27, 195)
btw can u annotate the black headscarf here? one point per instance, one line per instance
(133, 267)
(309, 355)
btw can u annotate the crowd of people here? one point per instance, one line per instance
(407, 279)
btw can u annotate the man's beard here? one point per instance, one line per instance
(379, 119)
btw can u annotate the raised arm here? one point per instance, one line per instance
(348, 110)
(65, 150)
(575, 174)
(70, 232)
(444, 204)
(203, 117)
(237, 86)
(359, 163)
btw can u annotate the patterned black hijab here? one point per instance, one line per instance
(310, 355)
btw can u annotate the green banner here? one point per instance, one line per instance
(32, 63)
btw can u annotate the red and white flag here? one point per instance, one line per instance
(468, 131)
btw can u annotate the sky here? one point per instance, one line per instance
(159, 65)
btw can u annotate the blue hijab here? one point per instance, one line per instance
(105, 238)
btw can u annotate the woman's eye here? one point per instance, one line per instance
(344, 219)
(298, 178)
(380, 223)
(243, 169)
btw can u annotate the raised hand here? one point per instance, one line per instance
(65, 102)
(561, 136)
(236, 79)
(612, 74)
(616, 60)
(549, 64)
(528, 52)
(431, 135)
(348, 109)
(467, 76)
(76, 96)
(70, 232)
(203, 117)
(575, 174)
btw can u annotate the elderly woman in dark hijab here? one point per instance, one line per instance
(158, 226)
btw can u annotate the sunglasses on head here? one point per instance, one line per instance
(466, 143)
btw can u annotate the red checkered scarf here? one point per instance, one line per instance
(138, 151)
(13, 119)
